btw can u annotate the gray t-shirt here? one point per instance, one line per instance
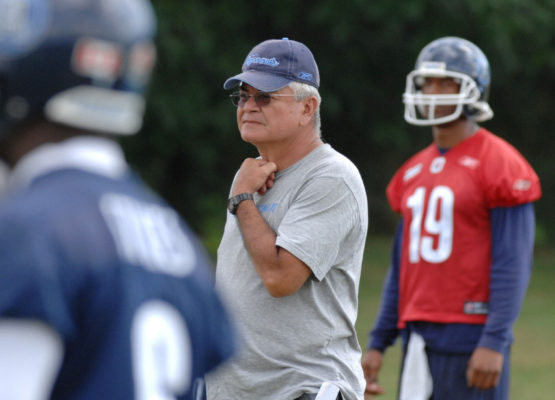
(291, 345)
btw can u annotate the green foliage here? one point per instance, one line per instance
(190, 149)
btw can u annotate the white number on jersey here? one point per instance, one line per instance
(161, 352)
(438, 220)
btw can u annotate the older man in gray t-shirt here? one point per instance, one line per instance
(290, 258)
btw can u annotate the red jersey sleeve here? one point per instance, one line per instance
(508, 178)
(412, 167)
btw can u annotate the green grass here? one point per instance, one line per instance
(533, 354)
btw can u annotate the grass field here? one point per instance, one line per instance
(533, 354)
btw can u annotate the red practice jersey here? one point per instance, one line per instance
(445, 201)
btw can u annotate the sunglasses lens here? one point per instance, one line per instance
(237, 99)
(240, 99)
(262, 99)
(243, 98)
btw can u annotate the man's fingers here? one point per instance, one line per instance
(371, 365)
(270, 182)
(484, 368)
(482, 380)
(255, 175)
(374, 388)
(270, 167)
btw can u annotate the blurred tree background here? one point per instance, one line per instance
(190, 148)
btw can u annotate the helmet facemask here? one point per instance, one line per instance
(420, 109)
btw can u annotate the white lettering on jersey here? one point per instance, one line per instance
(147, 234)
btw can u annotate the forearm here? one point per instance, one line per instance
(259, 239)
(385, 329)
(281, 272)
(512, 246)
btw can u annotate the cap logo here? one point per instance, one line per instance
(305, 76)
(255, 59)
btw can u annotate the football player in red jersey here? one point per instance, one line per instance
(462, 253)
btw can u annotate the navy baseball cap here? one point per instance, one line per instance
(273, 64)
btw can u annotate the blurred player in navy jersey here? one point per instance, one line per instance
(104, 291)
(462, 254)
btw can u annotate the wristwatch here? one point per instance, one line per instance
(233, 202)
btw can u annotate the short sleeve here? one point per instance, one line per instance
(393, 191)
(322, 215)
(508, 178)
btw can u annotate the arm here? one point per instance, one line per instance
(31, 356)
(385, 329)
(281, 272)
(512, 230)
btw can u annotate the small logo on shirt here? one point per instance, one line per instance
(522, 184)
(267, 207)
(437, 165)
(469, 162)
(412, 172)
(476, 308)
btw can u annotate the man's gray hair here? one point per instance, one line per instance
(301, 92)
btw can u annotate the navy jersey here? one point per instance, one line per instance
(115, 271)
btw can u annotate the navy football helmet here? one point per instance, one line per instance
(449, 57)
(81, 63)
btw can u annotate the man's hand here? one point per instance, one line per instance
(371, 364)
(484, 368)
(255, 175)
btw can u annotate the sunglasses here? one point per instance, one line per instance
(262, 99)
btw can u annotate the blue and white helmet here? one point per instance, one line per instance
(449, 57)
(81, 63)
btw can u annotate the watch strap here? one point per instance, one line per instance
(234, 201)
